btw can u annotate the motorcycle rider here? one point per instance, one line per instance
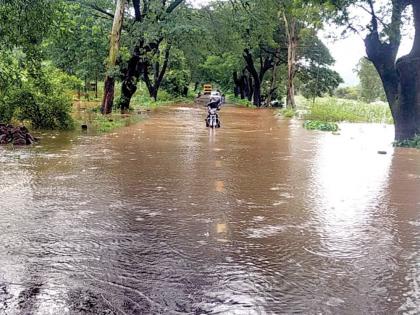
(214, 103)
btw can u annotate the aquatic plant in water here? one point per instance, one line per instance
(320, 125)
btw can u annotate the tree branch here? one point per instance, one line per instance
(173, 6)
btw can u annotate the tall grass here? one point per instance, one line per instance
(231, 99)
(337, 110)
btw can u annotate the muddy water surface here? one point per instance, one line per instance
(167, 217)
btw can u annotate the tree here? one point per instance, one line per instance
(400, 77)
(299, 17)
(80, 43)
(371, 88)
(247, 29)
(27, 89)
(146, 53)
(109, 84)
(313, 72)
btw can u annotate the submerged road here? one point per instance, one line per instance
(168, 217)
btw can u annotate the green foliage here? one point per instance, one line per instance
(104, 124)
(219, 69)
(30, 91)
(347, 92)
(371, 88)
(320, 125)
(178, 76)
(238, 101)
(314, 77)
(317, 81)
(287, 112)
(79, 46)
(336, 110)
(410, 143)
(44, 101)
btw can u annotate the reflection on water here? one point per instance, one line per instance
(167, 217)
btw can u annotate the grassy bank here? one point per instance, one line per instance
(339, 110)
(86, 112)
(231, 99)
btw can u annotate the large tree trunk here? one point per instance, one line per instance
(236, 81)
(158, 74)
(406, 110)
(250, 88)
(109, 86)
(243, 88)
(273, 86)
(130, 79)
(401, 80)
(292, 43)
(254, 78)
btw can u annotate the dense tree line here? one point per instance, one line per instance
(258, 50)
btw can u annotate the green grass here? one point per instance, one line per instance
(105, 124)
(320, 125)
(338, 110)
(142, 99)
(231, 99)
(287, 112)
(96, 122)
(412, 143)
(90, 114)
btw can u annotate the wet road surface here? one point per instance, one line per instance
(168, 217)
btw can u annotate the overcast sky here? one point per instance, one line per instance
(347, 52)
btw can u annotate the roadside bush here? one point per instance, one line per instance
(320, 125)
(287, 112)
(176, 82)
(44, 101)
(238, 101)
(411, 143)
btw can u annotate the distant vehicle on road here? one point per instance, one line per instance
(207, 88)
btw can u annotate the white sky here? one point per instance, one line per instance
(347, 52)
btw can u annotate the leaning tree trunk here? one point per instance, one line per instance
(158, 74)
(129, 82)
(254, 79)
(401, 79)
(406, 111)
(292, 43)
(109, 86)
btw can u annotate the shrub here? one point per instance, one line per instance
(176, 82)
(288, 112)
(238, 101)
(44, 100)
(411, 143)
(320, 125)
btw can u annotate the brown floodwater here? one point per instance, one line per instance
(168, 217)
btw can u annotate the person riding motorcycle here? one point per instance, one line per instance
(214, 103)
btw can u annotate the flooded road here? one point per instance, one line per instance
(167, 217)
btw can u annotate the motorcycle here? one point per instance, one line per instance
(212, 120)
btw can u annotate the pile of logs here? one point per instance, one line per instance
(15, 135)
